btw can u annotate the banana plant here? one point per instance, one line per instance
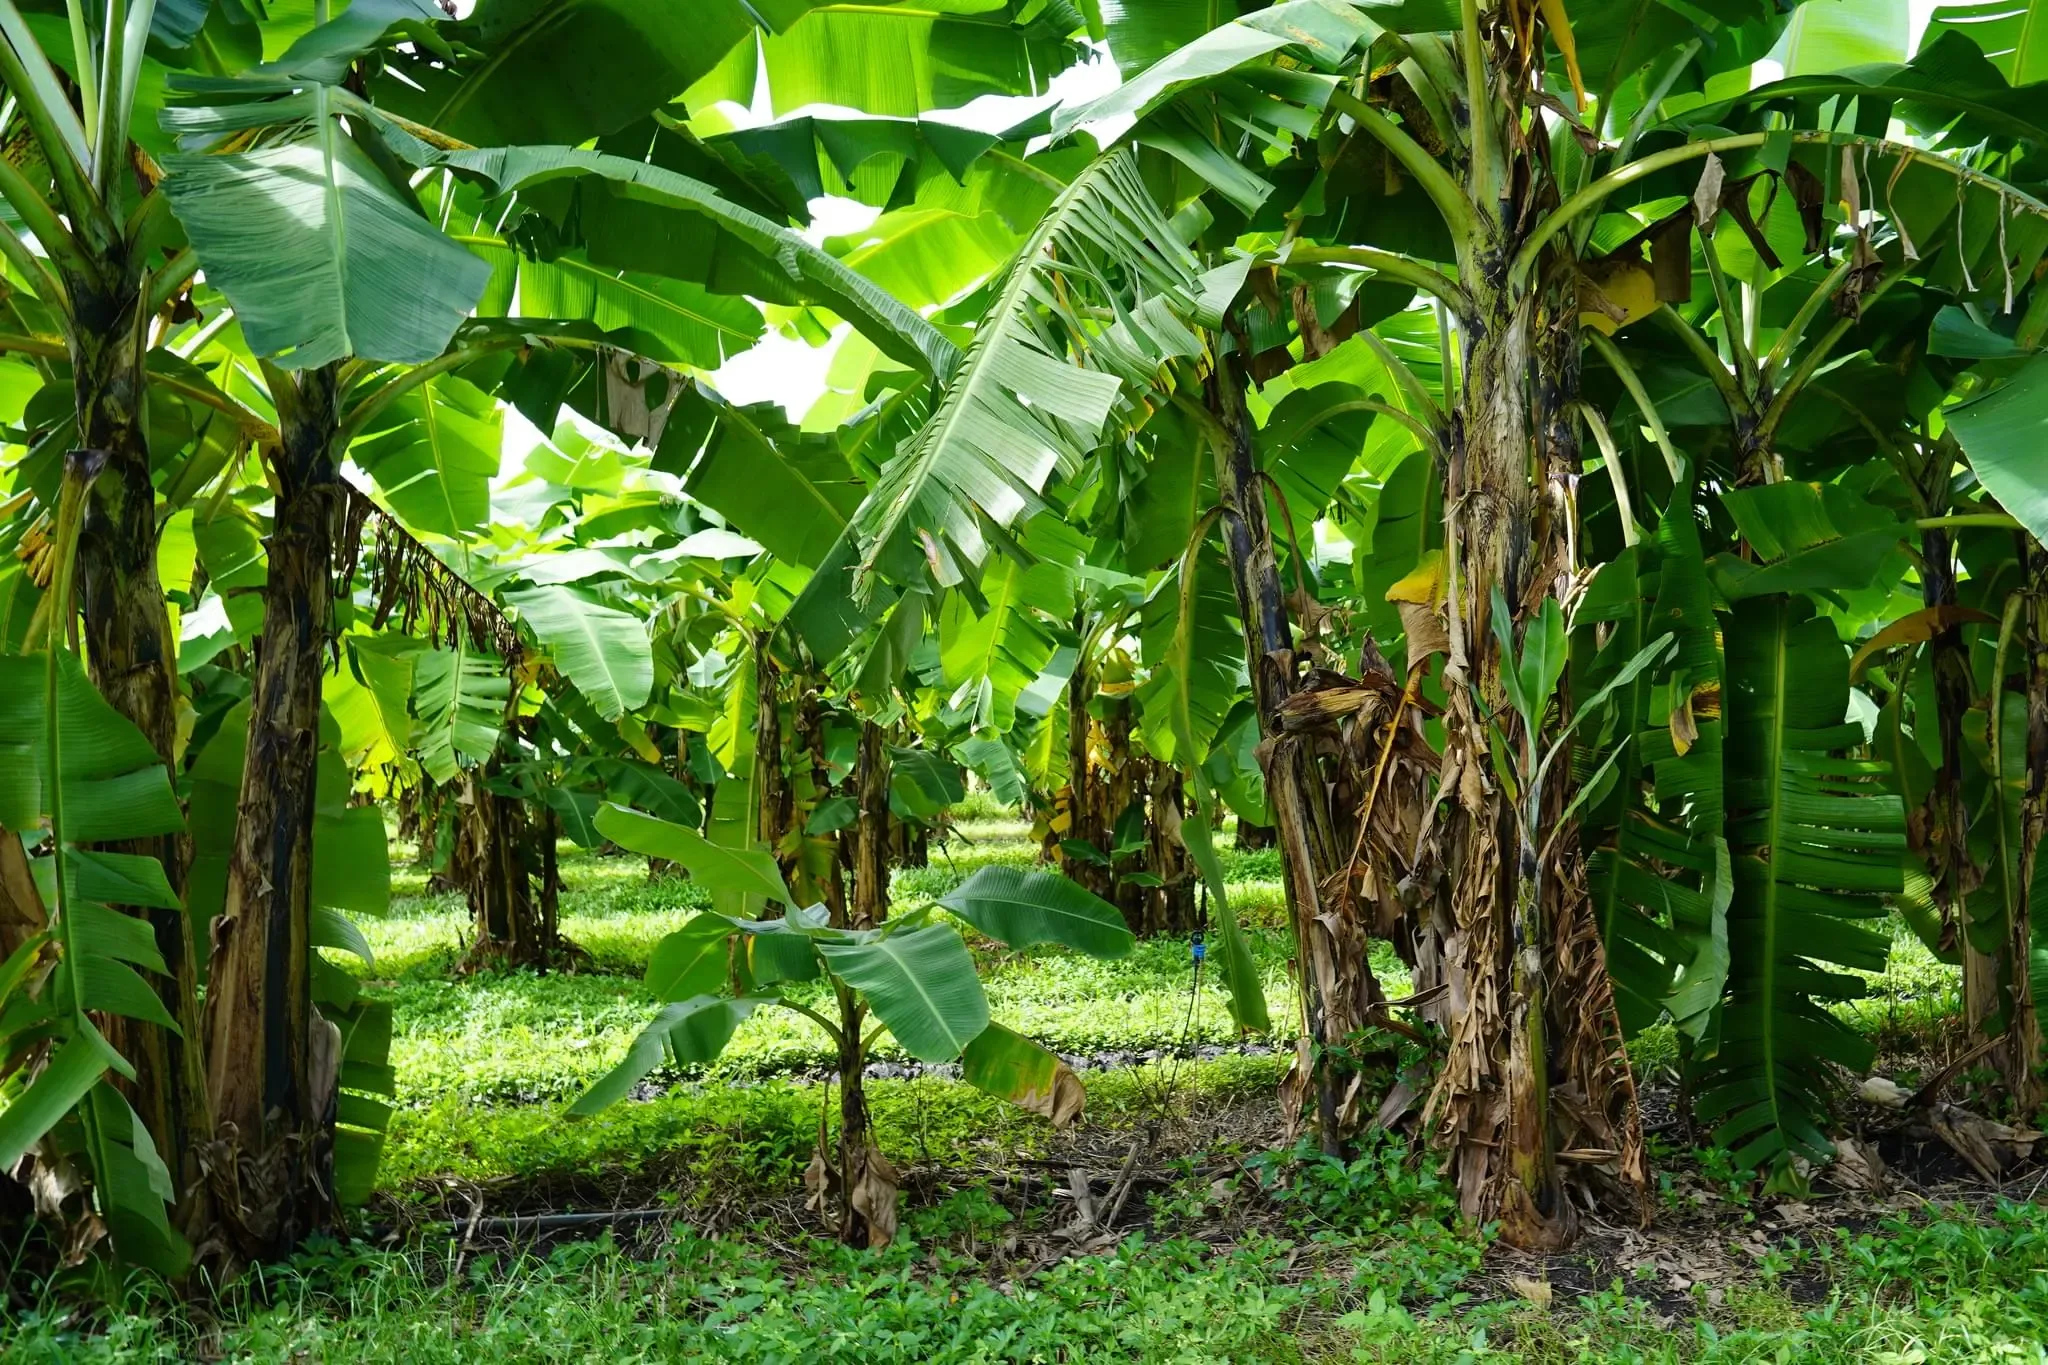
(107, 259)
(81, 777)
(913, 973)
(1419, 134)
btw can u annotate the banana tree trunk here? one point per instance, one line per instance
(271, 1059)
(1517, 940)
(501, 851)
(1251, 838)
(771, 786)
(2022, 1055)
(1087, 821)
(817, 863)
(1169, 907)
(133, 662)
(1340, 996)
(871, 833)
(910, 844)
(866, 1181)
(1943, 826)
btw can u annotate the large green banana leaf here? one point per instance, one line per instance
(1815, 837)
(776, 252)
(434, 453)
(1023, 908)
(74, 768)
(1657, 860)
(920, 982)
(458, 699)
(317, 251)
(605, 652)
(1039, 384)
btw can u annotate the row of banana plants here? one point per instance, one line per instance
(1614, 389)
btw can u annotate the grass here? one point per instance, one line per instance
(1365, 1269)
(513, 1038)
(1283, 1257)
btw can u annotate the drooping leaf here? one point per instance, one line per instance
(810, 271)
(673, 321)
(1234, 961)
(1010, 1066)
(691, 961)
(1809, 538)
(743, 871)
(1023, 908)
(789, 490)
(568, 70)
(605, 652)
(459, 695)
(1039, 384)
(687, 1033)
(1815, 839)
(434, 456)
(2002, 433)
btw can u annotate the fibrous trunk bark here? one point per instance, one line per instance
(1169, 907)
(271, 1059)
(1516, 939)
(910, 843)
(1340, 996)
(504, 861)
(1107, 779)
(867, 1182)
(772, 808)
(1087, 822)
(1941, 827)
(128, 647)
(871, 832)
(2021, 1053)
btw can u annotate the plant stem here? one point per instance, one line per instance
(1436, 182)
(1789, 338)
(1997, 521)
(1731, 319)
(1486, 171)
(1631, 533)
(1634, 384)
(1424, 277)
(1709, 359)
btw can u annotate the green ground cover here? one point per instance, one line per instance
(1238, 1254)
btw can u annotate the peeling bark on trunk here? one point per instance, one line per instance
(866, 1182)
(816, 870)
(1086, 822)
(1169, 908)
(1535, 1064)
(2021, 1053)
(871, 833)
(504, 861)
(1108, 777)
(1339, 993)
(275, 1122)
(1940, 828)
(771, 787)
(129, 650)
(910, 845)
